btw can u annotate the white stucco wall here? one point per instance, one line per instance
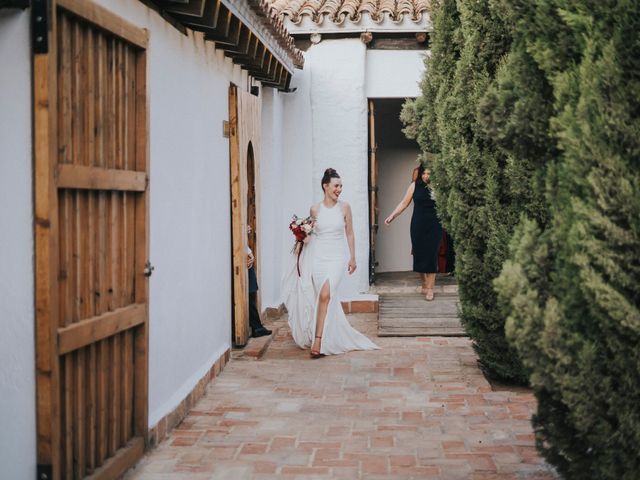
(270, 199)
(340, 136)
(297, 186)
(17, 355)
(190, 245)
(393, 251)
(394, 73)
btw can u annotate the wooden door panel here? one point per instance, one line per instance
(244, 140)
(91, 251)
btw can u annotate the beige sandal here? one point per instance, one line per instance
(429, 295)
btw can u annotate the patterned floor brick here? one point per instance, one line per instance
(419, 408)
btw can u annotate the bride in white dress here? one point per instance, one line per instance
(316, 317)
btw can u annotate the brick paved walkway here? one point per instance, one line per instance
(418, 408)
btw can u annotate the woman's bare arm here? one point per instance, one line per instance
(348, 227)
(402, 206)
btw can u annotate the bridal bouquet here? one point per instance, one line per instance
(301, 228)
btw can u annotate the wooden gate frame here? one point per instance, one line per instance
(373, 192)
(244, 129)
(46, 184)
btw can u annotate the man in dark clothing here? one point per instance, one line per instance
(257, 329)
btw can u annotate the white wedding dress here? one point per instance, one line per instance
(323, 260)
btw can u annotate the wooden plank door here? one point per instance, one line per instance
(91, 234)
(239, 278)
(373, 193)
(244, 155)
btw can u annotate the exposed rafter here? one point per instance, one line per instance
(246, 31)
(15, 3)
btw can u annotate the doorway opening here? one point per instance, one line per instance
(251, 199)
(392, 159)
(252, 225)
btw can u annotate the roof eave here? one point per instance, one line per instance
(263, 27)
(306, 25)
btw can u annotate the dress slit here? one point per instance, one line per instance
(327, 281)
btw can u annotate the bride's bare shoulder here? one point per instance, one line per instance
(313, 211)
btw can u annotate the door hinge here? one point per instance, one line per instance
(44, 472)
(40, 26)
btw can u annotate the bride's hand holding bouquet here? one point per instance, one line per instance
(302, 228)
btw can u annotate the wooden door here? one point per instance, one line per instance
(244, 144)
(373, 193)
(91, 234)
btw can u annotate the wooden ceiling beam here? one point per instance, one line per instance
(282, 76)
(190, 8)
(287, 82)
(236, 39)
(259, 58)
(228, 34)
(222, 27)
(244, 54)
(15, 3)
(279, 73)
(271, 77)
(242, 47)
(262, 69)
(208, 20)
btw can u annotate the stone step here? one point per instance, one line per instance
(255, 347)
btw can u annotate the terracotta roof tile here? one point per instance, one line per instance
(338, 11)
(273, 22)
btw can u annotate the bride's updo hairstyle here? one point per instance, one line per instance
(329, 173)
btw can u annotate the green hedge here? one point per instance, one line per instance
(572, 286)
(530, 119)
(468, 166)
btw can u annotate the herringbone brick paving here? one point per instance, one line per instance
(419, 408)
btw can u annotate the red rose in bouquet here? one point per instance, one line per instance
(301, 228)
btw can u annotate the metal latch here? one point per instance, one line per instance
(148, 269)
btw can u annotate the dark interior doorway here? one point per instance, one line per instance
(392, 160)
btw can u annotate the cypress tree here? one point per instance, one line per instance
(420, 116)
(468, 167)
(572, 285)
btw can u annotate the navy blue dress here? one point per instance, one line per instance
(426, 231)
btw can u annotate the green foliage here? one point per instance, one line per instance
(468, 166)
(530, 117)
(571, 288)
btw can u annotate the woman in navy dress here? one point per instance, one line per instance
(426, 231)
